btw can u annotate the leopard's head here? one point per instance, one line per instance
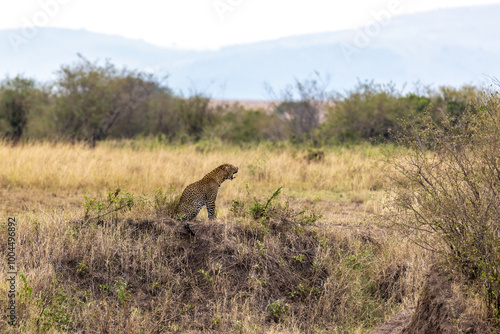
(230, 171)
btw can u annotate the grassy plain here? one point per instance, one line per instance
(137, 270)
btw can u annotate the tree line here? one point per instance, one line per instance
(91, 102)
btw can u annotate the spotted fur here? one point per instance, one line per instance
(204, 193)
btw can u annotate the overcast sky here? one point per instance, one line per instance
(209, 24)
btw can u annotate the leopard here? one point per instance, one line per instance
(203, 193)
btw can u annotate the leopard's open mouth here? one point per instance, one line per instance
(233, 176)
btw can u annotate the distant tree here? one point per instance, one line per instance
(93, 100)
(162, 118)
(454, 102)
(379, 112)
(238, 125)
(302, 116)
(369, 111)
(195, 115)
(302, 105)
(15, 102)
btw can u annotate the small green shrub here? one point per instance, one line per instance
(26, 290)
(237, 208)
(300, 258)
(96, 209)
(55, 309)
(275, 215)
(260, 210)
(82, 267)
(278, 310)
(121, 289)
(206, 275)
(261, 247)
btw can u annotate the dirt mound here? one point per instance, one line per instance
(396, 324)
(440, 311)
(223, 267)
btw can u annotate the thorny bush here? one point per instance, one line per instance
(447, 192)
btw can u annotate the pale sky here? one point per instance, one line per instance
(210, 24)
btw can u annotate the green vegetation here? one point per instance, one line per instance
(92, 102)
(447, 192)
(17, 100)
(316, 234)
(136, 270)
(381, 112)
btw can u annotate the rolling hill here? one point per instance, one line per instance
(444, 47)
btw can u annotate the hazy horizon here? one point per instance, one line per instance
(210, 25)
(451, 47)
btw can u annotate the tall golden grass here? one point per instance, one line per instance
(63, 166)
(355, 252)
(140, 168)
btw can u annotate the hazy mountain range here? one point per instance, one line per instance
(444, 47)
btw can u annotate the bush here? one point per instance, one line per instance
(381, 113)
(239, 126)
(16, 99)
(96, 102)
(302, 106)
(370, 111)
(91, 102)
(195, 115)
(448, 192)
(276, 216)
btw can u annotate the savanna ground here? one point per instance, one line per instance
(320, 257)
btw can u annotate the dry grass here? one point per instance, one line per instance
(344, 273)
(54, 169)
